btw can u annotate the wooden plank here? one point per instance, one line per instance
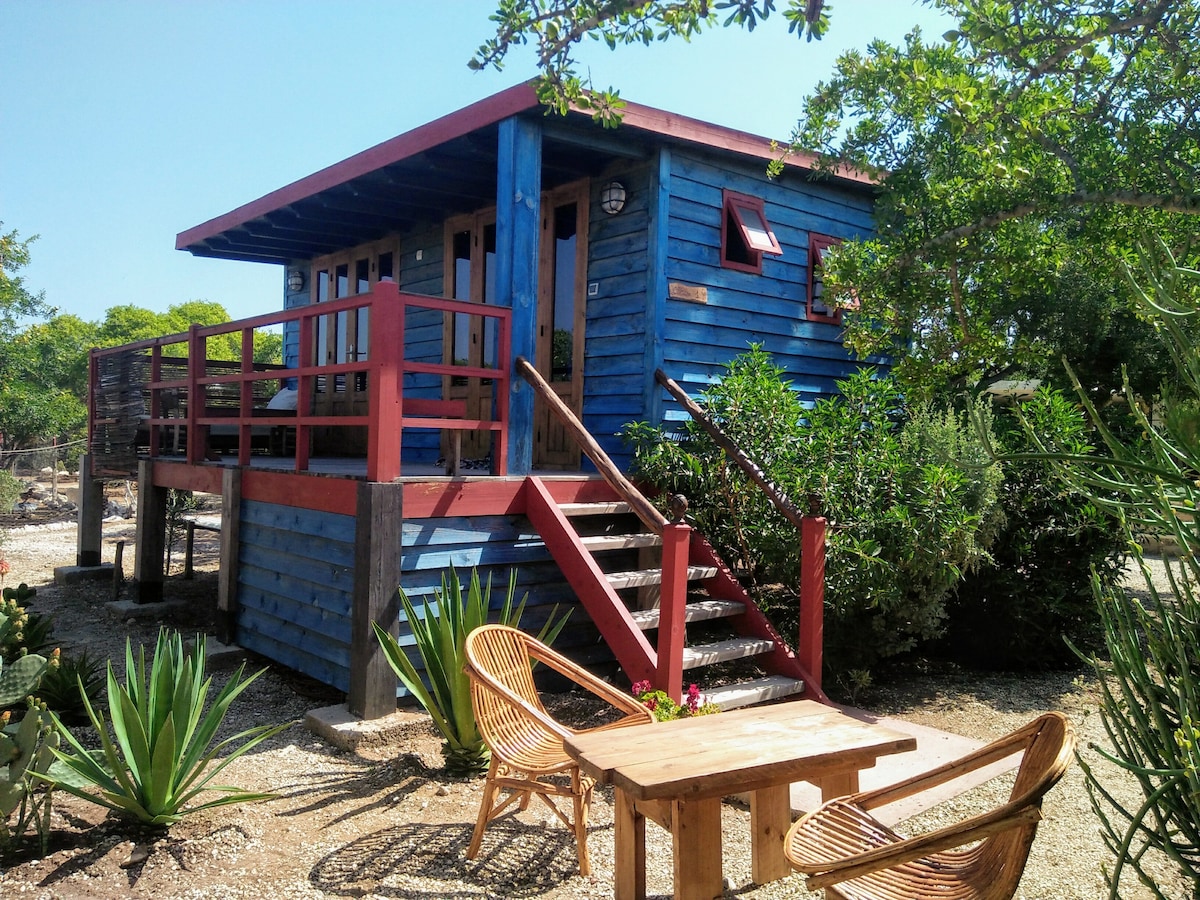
(376, 575)
(90, 537)
(319, 606)
(227, 575)
(770, 818)
(629, 849)
(151, 535)
(696, 842)
(518, 231)
(330, 494)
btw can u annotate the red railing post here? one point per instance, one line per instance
(246, 398)
(197, 436)
(387, 390)
(810, 640)
(672, 628)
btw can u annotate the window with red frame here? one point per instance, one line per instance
(818, 309)
(745, 233)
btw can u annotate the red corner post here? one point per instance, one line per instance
(810, 641)
(672, 629)
(386, 388)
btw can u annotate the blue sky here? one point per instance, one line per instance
(124, 122)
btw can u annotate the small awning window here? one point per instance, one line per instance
(745, 233)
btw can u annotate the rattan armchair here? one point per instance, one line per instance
(525, 741)
(841, 847)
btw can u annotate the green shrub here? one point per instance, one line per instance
(1014, 611)
(162, 753)
(907, 520)
(440, 634)
(10, 490)
(27, 632)
(665, 709)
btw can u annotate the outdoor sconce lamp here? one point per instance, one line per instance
(612, 197)
(295, 281)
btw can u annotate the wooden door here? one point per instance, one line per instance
(471, 340)
(562, 284)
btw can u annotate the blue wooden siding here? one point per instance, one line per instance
(744, 308)
(296, 582)
(617, 325)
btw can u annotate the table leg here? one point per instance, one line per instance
(770, 818)
(838, 785)
(696, 840)
(629, 838)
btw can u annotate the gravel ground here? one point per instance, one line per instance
(386, 822)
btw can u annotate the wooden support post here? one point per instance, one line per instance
(189, 550)
(672, 630)
(378, 529)
(518, 232)
(118, 570)
(151, 536)
(227, 576)
(91, 515)
(811, 639)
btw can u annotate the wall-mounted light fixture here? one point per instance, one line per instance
(612, 197)
(295, 281)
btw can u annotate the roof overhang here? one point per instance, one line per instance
(442, 168)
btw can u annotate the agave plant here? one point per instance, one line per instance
(162, 752)
(440, 635)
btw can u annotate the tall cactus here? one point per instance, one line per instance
(25, 750)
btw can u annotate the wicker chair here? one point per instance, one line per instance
(842, 844)
(526, 743)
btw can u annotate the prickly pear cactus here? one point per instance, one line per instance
(20, 678)
(26, 750)
(22, 594)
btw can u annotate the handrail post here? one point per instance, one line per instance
(672, 627)
(386, 394)
(246, 398)
(197, 444)
(810, 640)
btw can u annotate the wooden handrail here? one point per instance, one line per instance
(722, 440)
(642, 508)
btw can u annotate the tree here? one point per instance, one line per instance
(127, 324)
(557, 27)
(43, 383)
(1018, 160)
(16, 300)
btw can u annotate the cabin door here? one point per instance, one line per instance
(562, 283)
(471, 340)
(344, 337)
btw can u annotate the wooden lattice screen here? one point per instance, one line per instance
(121, 406)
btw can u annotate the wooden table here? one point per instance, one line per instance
(677, 772)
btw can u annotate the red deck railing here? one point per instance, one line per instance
(212, 392)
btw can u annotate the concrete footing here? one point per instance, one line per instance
(76, 574)
(339, 727)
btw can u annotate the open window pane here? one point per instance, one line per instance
(755, 231)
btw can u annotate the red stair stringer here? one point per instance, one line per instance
(752, 623)
(607, 611)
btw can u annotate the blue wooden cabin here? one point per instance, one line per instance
(399, 436)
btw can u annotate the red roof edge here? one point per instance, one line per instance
(484, 112)
(686, 128)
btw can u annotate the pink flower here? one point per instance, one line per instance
(641, 687)
(652, 704)
(693, 698)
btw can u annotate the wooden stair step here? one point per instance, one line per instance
(693, 612)
(644, 577)
(747, 693)
(720, 651)
(599, 542)
(605, 508)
